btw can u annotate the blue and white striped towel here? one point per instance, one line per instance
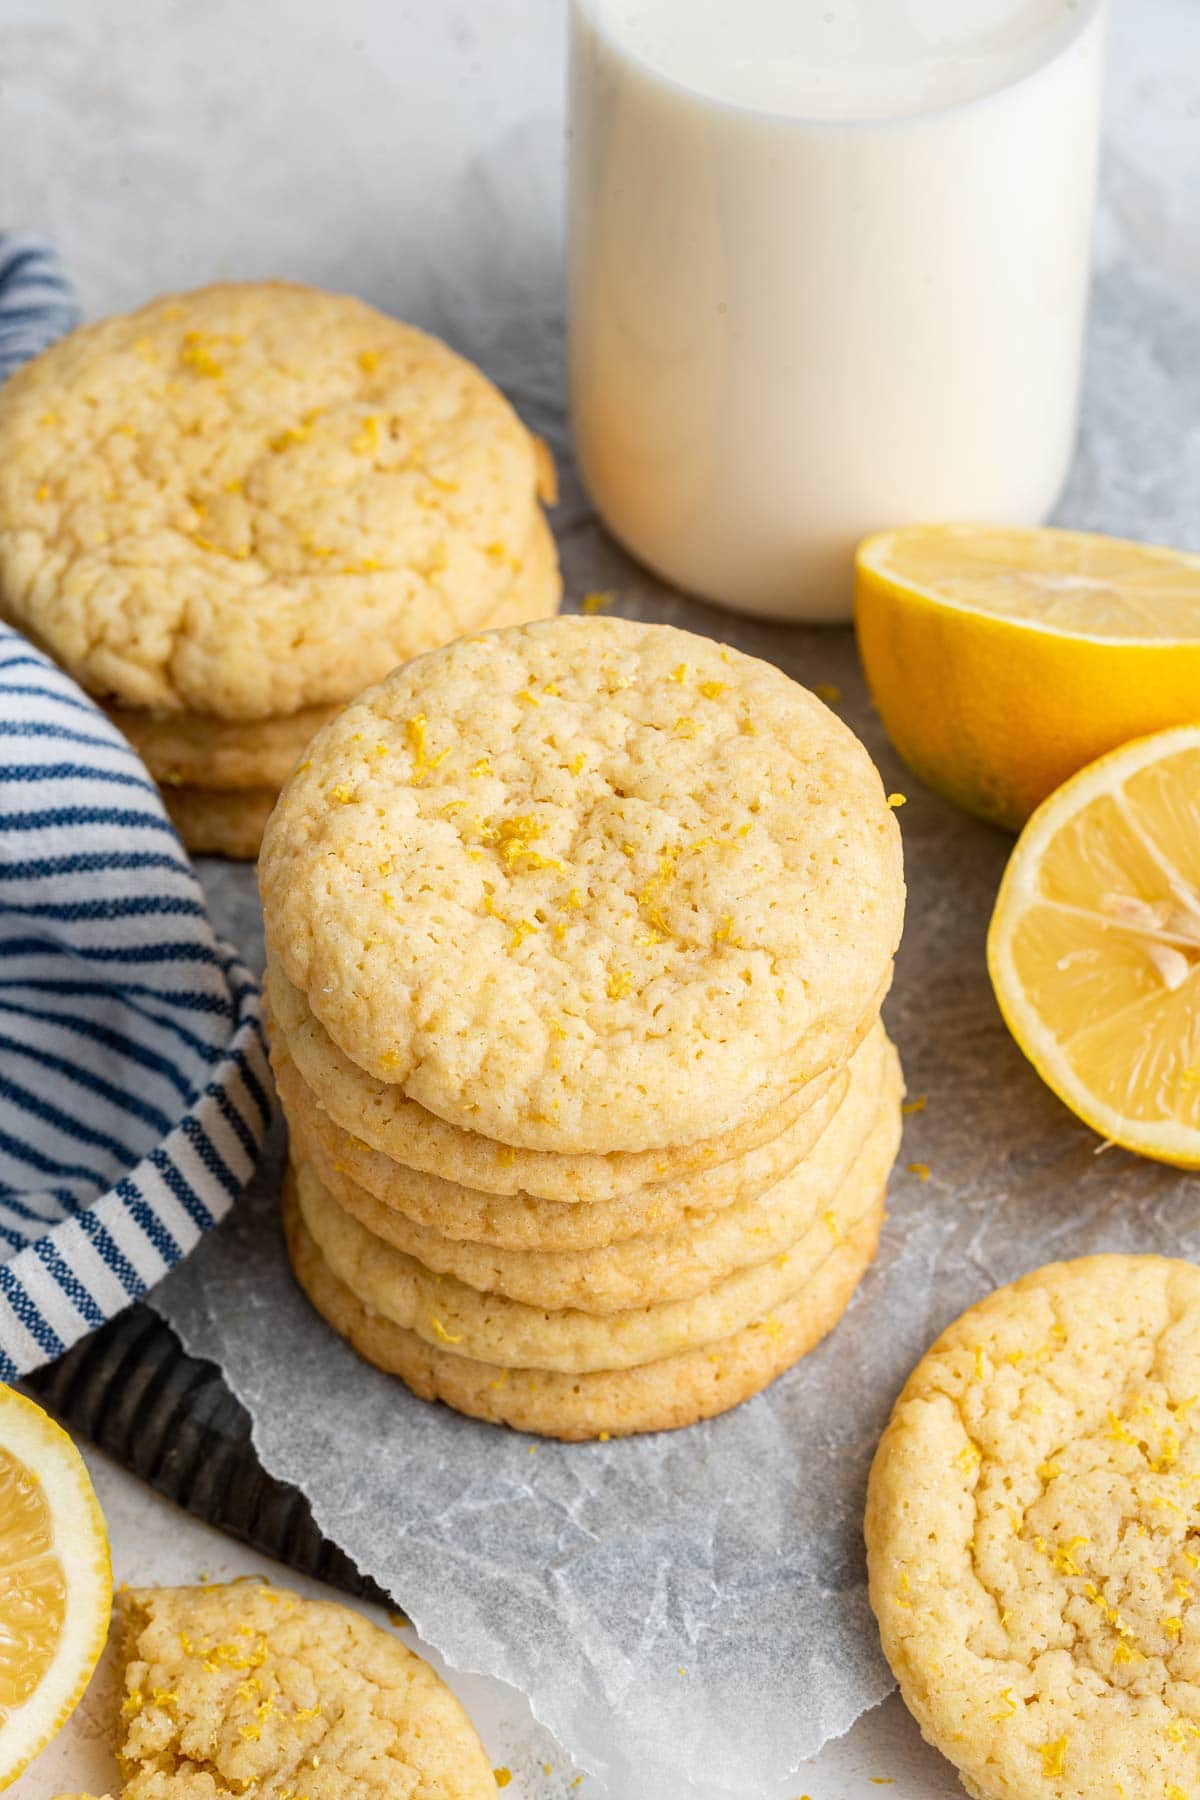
(134, 1095)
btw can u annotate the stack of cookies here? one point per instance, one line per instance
(227, 513)
(577, 936)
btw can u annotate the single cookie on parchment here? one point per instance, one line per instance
(247, 1689)
(1033, 1535)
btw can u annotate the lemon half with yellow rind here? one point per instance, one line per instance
(1002, 660)
(1094, 945)
(55, 1581)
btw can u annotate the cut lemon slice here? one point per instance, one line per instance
(55, 1581)
(1094, 946)
(1004, 660)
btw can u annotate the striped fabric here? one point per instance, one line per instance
(36, 305)
(134, 1095)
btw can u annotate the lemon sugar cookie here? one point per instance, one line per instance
(242, 504)
(677, 1256)
(1033, 1535)
(489, 1327)
(381, 1116)
(662, 1395)
(595, 881)
(577, 935)
(250, 1690)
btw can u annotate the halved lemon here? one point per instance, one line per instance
(1004, 660)
(55, 1581)
(1094, 946)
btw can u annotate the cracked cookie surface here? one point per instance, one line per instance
(249, 1690)
(1033, 1535)
(255, 498)
(585, 885)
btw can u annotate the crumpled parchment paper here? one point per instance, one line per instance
(688, 1612)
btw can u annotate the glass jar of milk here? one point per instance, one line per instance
(829, 267)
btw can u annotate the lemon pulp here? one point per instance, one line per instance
(33, 1589)
(1095, 945)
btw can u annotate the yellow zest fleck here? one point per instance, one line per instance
(502, 1777)
(1119, 1432)
(725, 934)
(1053, 1756)
(915, 1105)
(447, 1337)
(832, 1227)
(576, 764)
(969, 1456)
(133, 1702)
(528, 699)
(311, 1712)
(515, 836)
(1173, 1626)
(1168, 1454)
(415, 731)
(197, 356)
(981, 1363)
(48, 418)
(366, 442)
(712, 690)
(1182, 1587)
(598, 602)
(829, 692)
(42, 492)
(552, 688)
(368, 361)
(679, 674)
(237, 553)
(920, 1170)
(1064, 1558)
(1122, 1652)
(482, 767)
(1047, 1471)
(619, 984)
(452, 806)
(1192, 1560)
(684, 727)
(895, 800)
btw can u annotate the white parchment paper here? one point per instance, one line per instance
(688, 1612)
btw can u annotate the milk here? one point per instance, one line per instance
(828, 273)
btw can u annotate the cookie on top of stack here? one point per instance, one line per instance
(228, 512)
(577, 936)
